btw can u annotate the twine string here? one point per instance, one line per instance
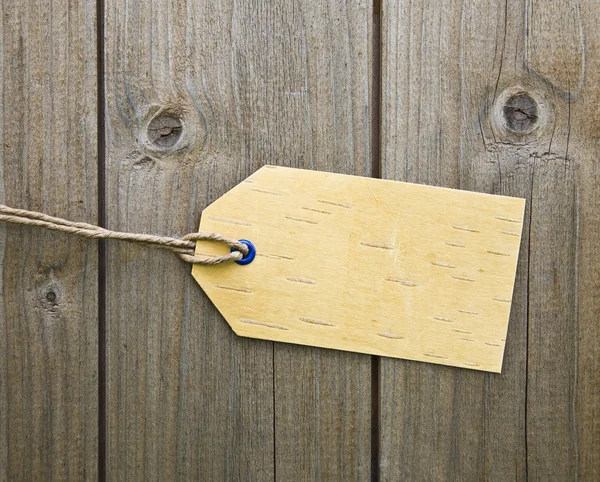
(184, 247)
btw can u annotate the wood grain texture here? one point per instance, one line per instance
(452, 76)
(563, 347)
(497, 97)
(367, 265)
(327, 126)
(284, 82)
(48, 317)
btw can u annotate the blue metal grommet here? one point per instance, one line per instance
(251, 252)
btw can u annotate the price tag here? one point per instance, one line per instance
(367, 265)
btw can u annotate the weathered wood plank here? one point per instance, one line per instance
(185, 397)
(433, 133)
(587, 395)
(585, 120)
(438, 65)
(322, 398)
(552, 346)
(279, 81)
(48, 314)
(474, 98)
(563, 408)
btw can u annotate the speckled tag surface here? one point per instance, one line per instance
(367, 265)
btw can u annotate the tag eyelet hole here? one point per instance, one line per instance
(251, 252)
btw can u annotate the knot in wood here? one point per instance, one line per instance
(520, 113)
(164, 131)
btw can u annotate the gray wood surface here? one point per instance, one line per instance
(498, 97)
(447, 120)
(48, 310)
(278, 82)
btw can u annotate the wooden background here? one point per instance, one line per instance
(137, 114)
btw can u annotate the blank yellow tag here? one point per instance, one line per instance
(367, 265)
